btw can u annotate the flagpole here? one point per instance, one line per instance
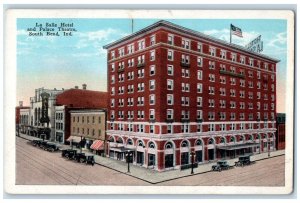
(230, 34)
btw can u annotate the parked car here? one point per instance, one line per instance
(51, 147)
(35, 142)
(244, 160)
(80, 157)
(42, 144)
(90, 160)
(70, 154)
(221, 165)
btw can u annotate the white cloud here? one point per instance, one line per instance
(279, 40)
(22, 32)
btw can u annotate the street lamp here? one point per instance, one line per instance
(128, 155)
(192, 155)
(269, 147)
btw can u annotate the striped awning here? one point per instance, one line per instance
(74, 139)
(97, 145)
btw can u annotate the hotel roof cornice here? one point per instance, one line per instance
(190, 32)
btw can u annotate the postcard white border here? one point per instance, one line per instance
(10, 99)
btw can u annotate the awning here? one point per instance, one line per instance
(238, 146)
(74, 139)
(97, 145)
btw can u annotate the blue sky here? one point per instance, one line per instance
(63, 62)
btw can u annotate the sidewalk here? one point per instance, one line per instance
(155, 177)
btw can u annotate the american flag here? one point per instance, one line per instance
(236, 31)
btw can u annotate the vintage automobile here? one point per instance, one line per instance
(221, 165)
(51, 147)
(71, 154)
(42, 144)
(80, 157)
(35, 142)
(64, 152)
(244, 160)
(90, 160)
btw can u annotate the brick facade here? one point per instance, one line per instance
(204, 93)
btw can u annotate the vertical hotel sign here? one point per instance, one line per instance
(255, 45)
(45, 100)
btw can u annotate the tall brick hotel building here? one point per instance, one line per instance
(174, 92)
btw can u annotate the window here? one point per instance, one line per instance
(130, 48)
(112, 91)
(170, 84)
(170, 55)
(211, 115)
(185, 101)
(169, 113)
(211, 127)
(141, 73)
(112, 103)
(233, 57)
(222, 103)
(112, 79)
(199, 101)
(130, 62)
(170, 70)
(211, 64)
(222, 115)
(199, 88)
(152, 99)
(112, 54)
(151, 114)
(141, 87)
(211, 103)
(141, 44)
(199, 130)
(121, 52)
(212, 51)
(169, 129)
(170, 39)
(185, 87)
(251, 62)
(199, 47)
(152, 40)
(112, 67)
(151, 129)
(199, 61)
(222, 79)
(185, 73)
(140, 101)
(152, 70)
(185, 59)
(185, 43)
(211, 77)
(242, 59)
(170, 100)
(223, 54)
(185, 114)
(199, 74)
(141, 59)
(152, 85)
(130, 75)
(211, 90)
(185, 128)
(199, 114)
(152, 55)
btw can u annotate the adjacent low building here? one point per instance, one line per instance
(88, 128)
(280, 133)
(72, 100)
(24, 125)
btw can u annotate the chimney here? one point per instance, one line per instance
(20, 103)
(84, 86)
(76, 87)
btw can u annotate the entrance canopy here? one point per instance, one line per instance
(238, 146)
(74, 139)
(97, 145)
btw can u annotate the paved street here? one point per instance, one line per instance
(36, 166)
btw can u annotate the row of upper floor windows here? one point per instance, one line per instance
(185, 115)
(185, 101)
(186, 128)
(186, 44)
(86, 119)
